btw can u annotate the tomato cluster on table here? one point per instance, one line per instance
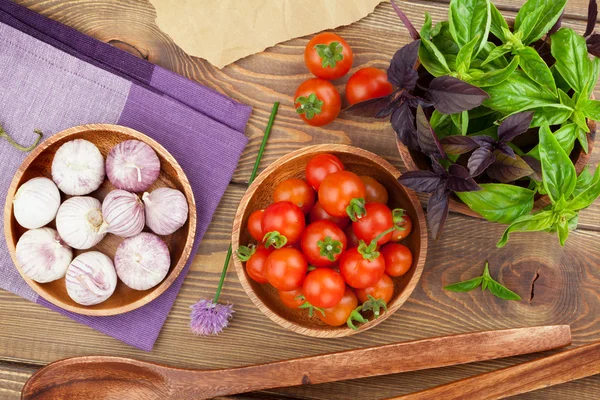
(329, 243)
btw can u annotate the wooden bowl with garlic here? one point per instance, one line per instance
(100, 219)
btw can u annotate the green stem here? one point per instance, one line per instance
(261, 150)
(16, 145)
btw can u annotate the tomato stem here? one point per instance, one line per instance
(311, 308)
(355, 315)
(374, 305)
(309, 106)
(330, 54)
(245, 252)
(369, 252)
(329, 248)
(274, 239)
(398, 217)
(356, 209)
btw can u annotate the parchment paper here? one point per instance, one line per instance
(223, 31)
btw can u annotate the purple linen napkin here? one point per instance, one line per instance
(53, 77)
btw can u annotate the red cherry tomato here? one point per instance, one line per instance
(286, 269)
(317, 102)
(338, 315)
(342, 193)
(255, 225)
(256, 264)
(322, 243)
(328, 56)
(377, 220)
(297, 191)
(402, 220)
(350, 237)
(367, 83)
(398, 259)
(283, 223)
(319, 214)
(384, 290)
(320, 166)
(376, 192)
(323, 288)
(292, 298)
(359, 272)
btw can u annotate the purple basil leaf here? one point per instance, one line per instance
(416, 101)
(401, 71)
(403, 122)
(506, 149)
(591, 19)
(536, 166)
(593, 44)
(411, 29)
(460, 180)
(487, 142)
(428, 141)
(458, 144)
(379, 107)
(506, 169)
(514, 125)
(480, 160)
(450, 95)
(438, 168)
(420, 181)
(458, 171)
(437, 211)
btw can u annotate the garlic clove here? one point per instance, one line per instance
(80, 223)
(36, 203)
(142, 261)
(124, 213)
(132, 165)
(78, 167)
(91, 278)
(166, 210)
(42, 255)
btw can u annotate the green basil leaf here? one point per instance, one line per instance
(593, 79)
(426, 28)
(501, 292)
(527, 223)
(442, 125)
(463, 59)
(565, 137)
(591, 109)
(552, 115)
(551, 12)
(432, 59)
(444, 41)
(572, 62)
(499, 202)
(498, 22)
(498, 63)
(496, 53)
(563, 231)
(465, 286)
(578, 117)
(565, 99)
(495, 77)
(536, 68)
(586, 195)
(530, 21)
(461, 121)
(558, 171)
(559, 80)
(437, 29)
(583, 140)
(468, 18)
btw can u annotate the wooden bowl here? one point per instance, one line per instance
(105, 137)
(259, 196)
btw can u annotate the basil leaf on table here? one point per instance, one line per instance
(572, 62)
(557, 169)
(527, 223)
(467, 18)
(498, 22)
(494, 77)
(465, 286)
(487, 282)
(536, 68)
(501, 291)
(551, 12)
(499, 202)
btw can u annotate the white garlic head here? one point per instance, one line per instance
(142, 261)
(36, 203)
(132, 165)
(78, 167)
(91, 278)
(42, 255)
(79, 222)
(124, 213)
(166, 210)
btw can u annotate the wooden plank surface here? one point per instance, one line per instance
(557, 285)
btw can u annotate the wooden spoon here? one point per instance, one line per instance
(121, 378)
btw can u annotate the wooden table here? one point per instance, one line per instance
(558, 285)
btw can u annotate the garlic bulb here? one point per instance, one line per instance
(91, 278)
(132, 165)
(142, 261)
(166, 210)
(78, 167)
(79, 222)
(42, 255)
(124, 213)
(36, 203)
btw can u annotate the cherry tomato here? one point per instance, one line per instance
(323, 287)
(377, 220)
(320, 166)
(319, 214)
(292, 298)
(317, 102)
(338, 315)
(398, 259)
(367, 83)
(256, 264)
(255, 225)
(283, 223)
(322, 243)
(376, 192)
(297, 191)
(342, 193)
(286, 269)
(350, 237)
(328, 56)
(360, 272)
(384, 289)
(402, 220)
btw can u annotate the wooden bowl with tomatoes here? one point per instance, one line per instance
(304, 262)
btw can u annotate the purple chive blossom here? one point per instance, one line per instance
(208, 318)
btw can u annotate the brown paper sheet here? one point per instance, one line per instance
(223, 31)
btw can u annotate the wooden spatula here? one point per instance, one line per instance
(121, 378)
